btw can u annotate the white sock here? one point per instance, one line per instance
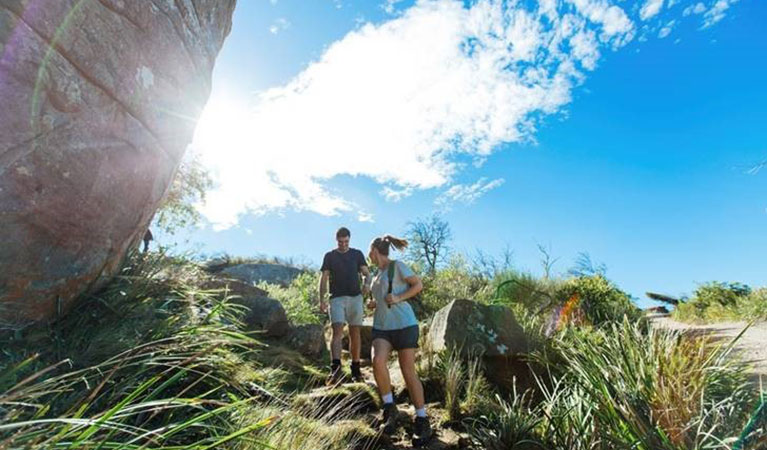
(420, 412)
(387, 398)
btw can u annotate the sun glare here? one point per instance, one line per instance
(221, 129)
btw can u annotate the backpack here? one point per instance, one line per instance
(415, 302)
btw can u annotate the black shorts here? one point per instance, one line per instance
(399, 339)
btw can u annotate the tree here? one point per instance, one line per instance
(188, 187)
(585, 267)
(429, 239)
(547, 260)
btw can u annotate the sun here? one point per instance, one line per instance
(222, 128)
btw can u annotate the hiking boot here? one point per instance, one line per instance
(390, 414)
(335, 377)
(357, 374)
(421, 431)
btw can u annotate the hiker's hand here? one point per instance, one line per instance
(371, 304)
(323, 307)
(365, 290)
(392, 299)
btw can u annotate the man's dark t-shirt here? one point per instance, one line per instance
(344, 271)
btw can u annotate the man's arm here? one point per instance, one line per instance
(323, 288)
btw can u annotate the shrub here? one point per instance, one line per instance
(456, 281)
(298, 299)
(598, 299)
(716, 301)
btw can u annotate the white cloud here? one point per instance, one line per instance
(614, 21)
(395, 195)
(672, 3)
(667, 28)
(399, 102)
(698, 8)
(362, 216)
(711, 15)
(650, 9)
(716, 12)
(467, 194)
(390, 5)
(278, 25)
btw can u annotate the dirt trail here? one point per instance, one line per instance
(752, 345)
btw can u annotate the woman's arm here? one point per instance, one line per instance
(416, 286)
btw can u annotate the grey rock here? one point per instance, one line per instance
(255, 273)
(100, 100)
(233, 287)
(477, 329)
(265, 314)
(308, 339)
(487, 331)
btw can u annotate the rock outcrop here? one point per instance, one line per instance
(264, 314)
(487, 330)
(255, 273)
(100, 99)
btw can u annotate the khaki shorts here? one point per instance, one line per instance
(346, 310)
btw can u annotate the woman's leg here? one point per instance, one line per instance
(414, 386)
(381, 351)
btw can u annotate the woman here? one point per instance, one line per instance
(396, 328)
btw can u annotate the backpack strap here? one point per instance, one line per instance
(391, 273)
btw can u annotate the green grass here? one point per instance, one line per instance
(155, 362)
(624, 386)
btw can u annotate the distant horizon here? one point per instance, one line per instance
(631, 139)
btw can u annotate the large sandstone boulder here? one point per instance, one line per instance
(487, 331)
(255, 273)
(477, 329)
(100, 99)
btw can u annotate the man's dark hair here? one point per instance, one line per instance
(343, 232)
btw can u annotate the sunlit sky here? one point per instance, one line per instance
(625, 130)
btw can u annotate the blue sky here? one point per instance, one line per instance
(627, 141)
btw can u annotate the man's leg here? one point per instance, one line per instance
(335, 341)
(337, 320)
(354, 316)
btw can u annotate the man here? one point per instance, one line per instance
(147, 237)
(342, 267)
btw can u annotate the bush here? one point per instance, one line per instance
(598, 299)
(456, 281)
(298, 299)
(716, 301)
(516, 288)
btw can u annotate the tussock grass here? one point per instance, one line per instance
(624, 386)
(154, 361)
